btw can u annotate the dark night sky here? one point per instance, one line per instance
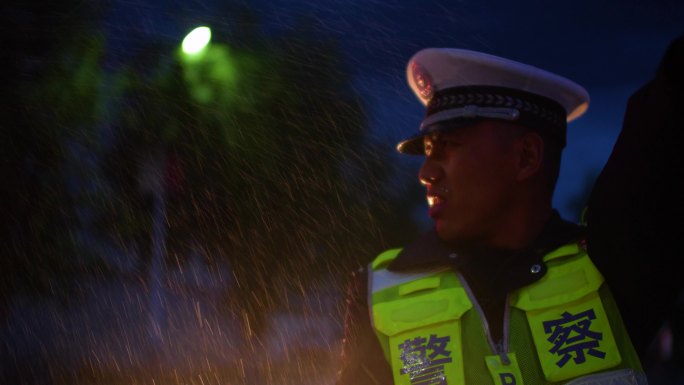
(611, 47)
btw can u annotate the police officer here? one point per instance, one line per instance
(501, 290)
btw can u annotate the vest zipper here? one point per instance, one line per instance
(503, 353)
(499, 348)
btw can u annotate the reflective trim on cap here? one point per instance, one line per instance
(471, 111)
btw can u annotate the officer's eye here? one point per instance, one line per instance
(438, 143)
(446, 143)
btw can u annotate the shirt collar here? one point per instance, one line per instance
(514, 268)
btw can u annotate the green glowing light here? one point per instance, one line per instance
(196, 40)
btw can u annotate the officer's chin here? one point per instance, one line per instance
(456, 240)
(446, 232)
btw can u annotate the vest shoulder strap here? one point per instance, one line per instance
(567, 279)
(384, 259)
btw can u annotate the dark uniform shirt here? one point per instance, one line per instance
(491, 274)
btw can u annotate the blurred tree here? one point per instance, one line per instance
(268, 163)
(48, 112)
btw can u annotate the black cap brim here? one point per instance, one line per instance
(414, 144)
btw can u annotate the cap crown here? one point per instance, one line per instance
(436, 69)
(461, 87)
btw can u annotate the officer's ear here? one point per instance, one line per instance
(530, 155)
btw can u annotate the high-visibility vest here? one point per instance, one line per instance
(563, 329)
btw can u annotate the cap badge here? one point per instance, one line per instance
(422, 81)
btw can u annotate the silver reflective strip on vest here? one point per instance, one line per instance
(382, 279)
(615, 377)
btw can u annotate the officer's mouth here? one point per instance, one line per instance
(436, 204)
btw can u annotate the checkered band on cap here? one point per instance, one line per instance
(533, 110)
(461, 87)
(455, 107)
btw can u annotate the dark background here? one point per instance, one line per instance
(170, 220)
(609, 47)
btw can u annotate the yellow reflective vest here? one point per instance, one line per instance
(563, 329)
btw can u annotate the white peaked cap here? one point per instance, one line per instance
(463, 86)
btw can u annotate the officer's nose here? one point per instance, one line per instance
(430, 172)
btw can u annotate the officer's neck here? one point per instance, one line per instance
(516, 231)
